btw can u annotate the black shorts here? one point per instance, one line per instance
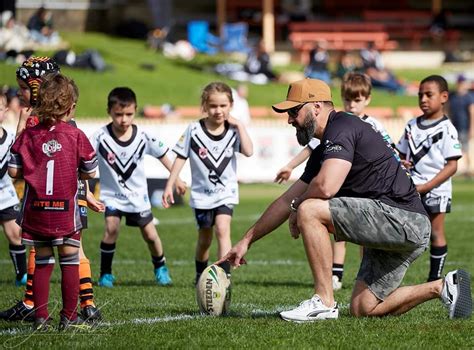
(83, 214)
(206, 218)
(435, 204)
(131, 219)
(10, 213)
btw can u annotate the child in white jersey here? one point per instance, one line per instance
(210, 144)
(430, 149)
(9, 203)
(121, 147)
(356, 91)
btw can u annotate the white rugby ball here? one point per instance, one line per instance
(213, 291)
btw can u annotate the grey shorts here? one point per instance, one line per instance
(392, 239)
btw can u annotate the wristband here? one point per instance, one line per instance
(293, 206)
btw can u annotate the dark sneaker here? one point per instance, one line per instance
(18, 312)
(42, 324)
(91, 314)
(456, 294)
(77, 324)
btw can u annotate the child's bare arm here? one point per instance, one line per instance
(284, 173)
(16, 173)
(92, 202)
(168, 197)
(449, 170)
(246, 145)
(180, 184)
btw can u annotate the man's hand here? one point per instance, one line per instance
(292, 223)
(235, 256)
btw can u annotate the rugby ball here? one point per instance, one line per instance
(213, 291)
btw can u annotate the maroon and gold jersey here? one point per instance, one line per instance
(50, 158)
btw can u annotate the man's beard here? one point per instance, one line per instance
(305, 133)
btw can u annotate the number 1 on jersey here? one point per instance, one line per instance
(49, 177)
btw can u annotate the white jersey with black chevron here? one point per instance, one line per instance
(429, 147)
(123, 184)
(8, 195)
(213, 165)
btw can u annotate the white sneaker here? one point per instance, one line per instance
(336, 284)
(456, 294)
(311, 310)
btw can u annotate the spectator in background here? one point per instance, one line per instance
(318, 63)
(240, 109)
(297, 10)
(461, 111)
(258, 65)
(41, 27)
(374, 67)
(15, 39)
(345, 64)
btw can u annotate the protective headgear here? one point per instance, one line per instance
(31, 72)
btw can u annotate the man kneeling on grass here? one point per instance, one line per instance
(354, 187)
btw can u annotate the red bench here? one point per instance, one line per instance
(303, 42)
(411, 25)
(336, 26)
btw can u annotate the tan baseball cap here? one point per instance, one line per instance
(302, 91)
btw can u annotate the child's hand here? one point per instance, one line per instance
(233, 121)
(422, 189)
(167, 199)
(181, 187)
(407, 164)
(283, 174)
(94, 204)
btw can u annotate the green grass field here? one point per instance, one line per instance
(139, 314)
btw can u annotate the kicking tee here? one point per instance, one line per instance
(428, 147)
(8, 197)
(50, 158)
(213, 165)
(123, 184)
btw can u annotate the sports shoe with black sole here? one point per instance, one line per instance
(456, 294)
(42, 325)
(91, 314)
(77, 324)
(18, 312)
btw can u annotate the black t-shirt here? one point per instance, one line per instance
(376, 170)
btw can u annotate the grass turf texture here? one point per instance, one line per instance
(173, 81)
(139, 314)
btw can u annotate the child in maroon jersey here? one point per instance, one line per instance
(48, 157)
